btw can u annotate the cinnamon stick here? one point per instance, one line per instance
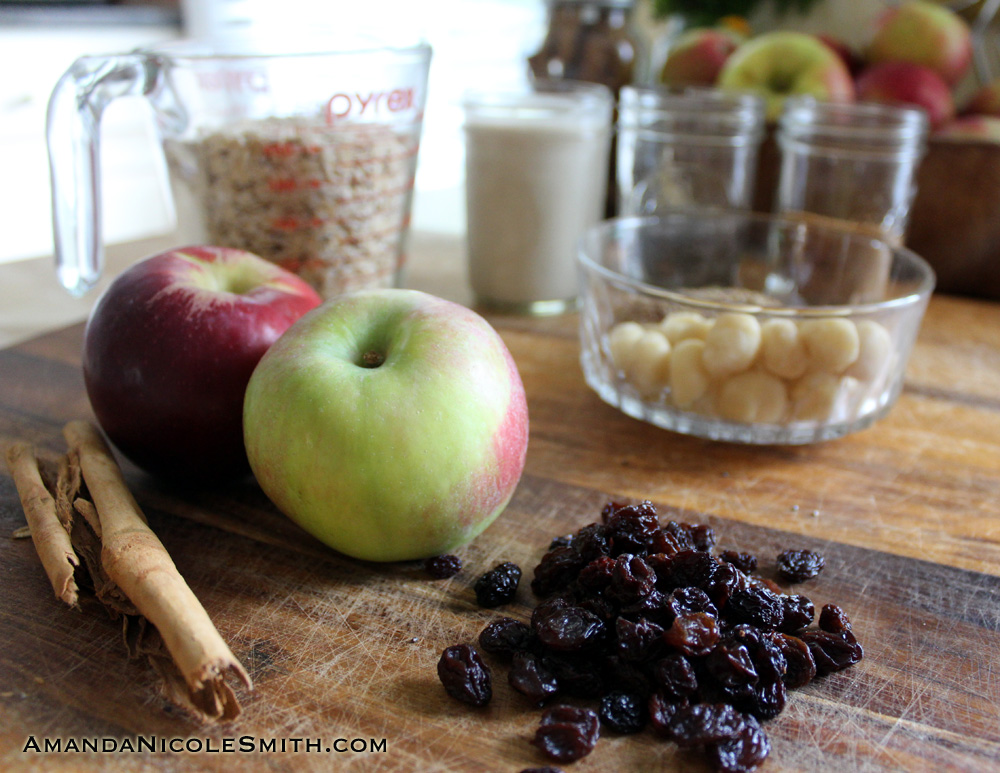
(135, 559)
(52, 542)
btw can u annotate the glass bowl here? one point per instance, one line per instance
(746, 327)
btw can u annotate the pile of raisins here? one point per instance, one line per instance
(644, 620)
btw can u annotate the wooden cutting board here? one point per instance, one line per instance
(905, 514)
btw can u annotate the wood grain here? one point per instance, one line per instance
(905, 513)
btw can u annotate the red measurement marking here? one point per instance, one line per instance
(279, 149)
(288, 149)
(287, 223)
(279, 185)
(378, 195)
(288, 184)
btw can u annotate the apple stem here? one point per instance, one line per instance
(372, 359)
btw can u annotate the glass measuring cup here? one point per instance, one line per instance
(303, 156)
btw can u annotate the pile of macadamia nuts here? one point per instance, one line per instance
(739, 367)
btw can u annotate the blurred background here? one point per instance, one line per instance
(475, 42)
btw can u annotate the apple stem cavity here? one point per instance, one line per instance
(372, 359)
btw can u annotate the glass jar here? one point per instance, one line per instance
(686, 148)
(850, 162)
(852, 165)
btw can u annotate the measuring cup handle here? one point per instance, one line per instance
(73, 138)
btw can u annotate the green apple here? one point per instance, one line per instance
(389, 424)
(780, 64)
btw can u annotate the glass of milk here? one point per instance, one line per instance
(536, 176)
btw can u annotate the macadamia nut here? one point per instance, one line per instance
(732, 344)
(875, 351)
(753, 396)
(621, 343)
(688, 378)
(649, 365)
(783, 352)
(832, 344)
(682, 325)
(816, 396)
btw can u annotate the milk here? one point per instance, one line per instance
(535, 181)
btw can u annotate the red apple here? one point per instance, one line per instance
(389, 424)
(926, 33)
(780, 64)
(985, 101)
(847, 55)
(697, 57)
(972, 127)
(169, 349)
(905, 83)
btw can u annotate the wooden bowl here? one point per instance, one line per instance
(955, 219)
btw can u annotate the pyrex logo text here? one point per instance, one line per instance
(356, 104)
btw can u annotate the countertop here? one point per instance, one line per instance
(905, 512)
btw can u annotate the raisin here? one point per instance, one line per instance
(610, 509)
(681, 533)
(547, 607)
(653, 606)
(800, 565)
(831, 651)
(591, 542)
(625, 676)
(623, 712)
(684, 601)
(666, 543)
(530, 677)
(755, 606)
(498, 586)
(703, 537)
(725, 581)
(745, 562)
(705, 723)
(631, 579)
(731, 665)
(596, 576)
(577, 676)
(767, 698)
(695, 633)
(676, 677)
(631, 529)
(561, 542)
(661, 711)
(800, 668)
(833, 619)
(546, 769)
(506, 636)
(567, 734)
(742, 753)
(570, 629)
(442, 567)
(465, 676)
(798, 613)
(601, 607)
(638, 641)
(557, 569)
(689, 568)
